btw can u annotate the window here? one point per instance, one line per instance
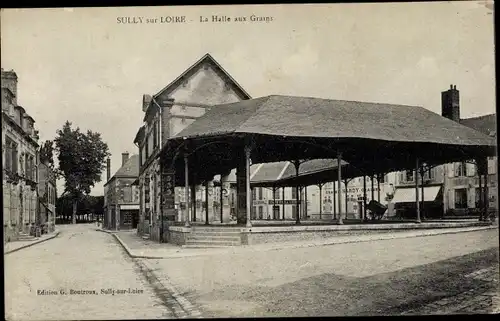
(155, 135)
(11, 158)
(254, 194)
(460, 169)
(492, 166)
(478, 197)
(409, 176)
(294, 193)
(260, 193)
(461, 198)
(261, 212)
(276, 193)
(254, 210)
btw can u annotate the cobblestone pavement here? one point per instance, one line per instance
(79, 259)
(484, 298)
(373, 278)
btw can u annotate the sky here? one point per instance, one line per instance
(81, 65)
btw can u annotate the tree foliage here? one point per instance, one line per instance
(47, 153)
(81, 159)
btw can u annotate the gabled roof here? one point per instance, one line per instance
(486, 124)
(276, 171)
(206, 58)
(373, 137)
(129, 170)
(293, 116)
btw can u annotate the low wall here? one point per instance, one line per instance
(277, 234)
(177, 235)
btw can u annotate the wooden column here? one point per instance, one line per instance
(364, 197)
(416, 190)
(206, 202)
(283, 204)
(248, 190)
(186, 178)
(320, 200)
(339, 178)
(297, 192)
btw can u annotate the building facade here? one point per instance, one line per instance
(19, 163)
(47, 195)
(452, 189)
(121, 196)
(317, 202)
(175, 107)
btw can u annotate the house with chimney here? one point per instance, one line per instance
(203, 85)
(455, 189)
(19, 163)
(121, 196)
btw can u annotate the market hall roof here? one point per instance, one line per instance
(382, 137)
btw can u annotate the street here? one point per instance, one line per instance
(449, 273)
(80, 259)
(377, 278)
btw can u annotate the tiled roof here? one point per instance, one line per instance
(130, 169)
(486, 124)
(269, 172)
(324, 118)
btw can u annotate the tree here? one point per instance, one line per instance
(47, 153)
(81, 161)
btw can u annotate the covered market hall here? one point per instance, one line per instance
(366, 138)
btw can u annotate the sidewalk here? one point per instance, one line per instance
(19, 245)
(139, 248)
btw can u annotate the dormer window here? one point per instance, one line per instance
(185, 83)
(227, 87)
(206, 67)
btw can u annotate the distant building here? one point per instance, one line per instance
(316, 201)
(19, 163)
(121, 196)
(200, 87)
(47, 195)
(451, 189)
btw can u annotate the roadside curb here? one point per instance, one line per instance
(382, 237)
(250, 248)
(187, 307)
(34, 243)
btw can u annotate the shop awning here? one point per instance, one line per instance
(408, 194)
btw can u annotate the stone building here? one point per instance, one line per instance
(47, 195)
(166, 113)
(316, 201)
(19, 163)
(121, 196)
(451, 189)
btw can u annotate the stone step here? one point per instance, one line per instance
(198, 246)
(212, 242)
(215, 233)
(214, 237)
(216, 229)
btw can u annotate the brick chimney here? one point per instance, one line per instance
(146, 100)
(108, 169)
(450, 104)
(124, 158)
